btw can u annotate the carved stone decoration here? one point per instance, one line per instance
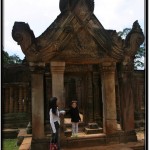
(117, 45)
(30, 45)
(133, 40)
(67, 5)
(126, 49)
(127, 101)
(22, 34)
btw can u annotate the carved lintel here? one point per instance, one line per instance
(37, 67)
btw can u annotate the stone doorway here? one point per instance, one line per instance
(74, 90)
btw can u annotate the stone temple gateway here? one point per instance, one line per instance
(76, 57)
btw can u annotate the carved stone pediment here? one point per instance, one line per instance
(76, 36)
(81, 46)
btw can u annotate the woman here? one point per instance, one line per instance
(54, 121)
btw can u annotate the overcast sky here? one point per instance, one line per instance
(39, 14)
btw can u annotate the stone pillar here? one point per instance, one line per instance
(37, 70)
(127, 102)
(109, 97)
(57, 70)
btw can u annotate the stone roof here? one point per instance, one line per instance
(77, 36)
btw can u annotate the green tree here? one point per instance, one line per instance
(140, 55)
(139, 58)
(5, 57)
(13, 59)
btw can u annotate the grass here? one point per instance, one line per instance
(9, 144)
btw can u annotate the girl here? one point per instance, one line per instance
(54, 121)
(75, 118)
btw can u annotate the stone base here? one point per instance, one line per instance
(93, 128)
(93, 131)
(93, 125)
(40, 144)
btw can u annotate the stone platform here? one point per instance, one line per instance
(120, 141)
(99, 139)
(121, 146)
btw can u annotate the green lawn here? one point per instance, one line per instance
(9, 144)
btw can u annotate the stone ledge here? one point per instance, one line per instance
(10, 133)
(26, 144)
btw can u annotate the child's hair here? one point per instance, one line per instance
(53, 104)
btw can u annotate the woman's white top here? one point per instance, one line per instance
(54, 118)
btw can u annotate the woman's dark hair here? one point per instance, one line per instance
(53, 104)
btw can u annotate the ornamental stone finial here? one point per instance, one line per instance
(69, 5)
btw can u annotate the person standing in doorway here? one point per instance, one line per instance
(75, 118)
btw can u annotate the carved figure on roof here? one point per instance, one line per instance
(134, 39)
(25, 37)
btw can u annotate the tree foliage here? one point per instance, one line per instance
(140, 55)
(13, 59)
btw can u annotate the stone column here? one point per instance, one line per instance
(109, 97)
(127, 102)
(57, 70)
(37, 70)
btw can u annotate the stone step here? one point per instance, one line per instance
(89, 140)
(26, 144)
